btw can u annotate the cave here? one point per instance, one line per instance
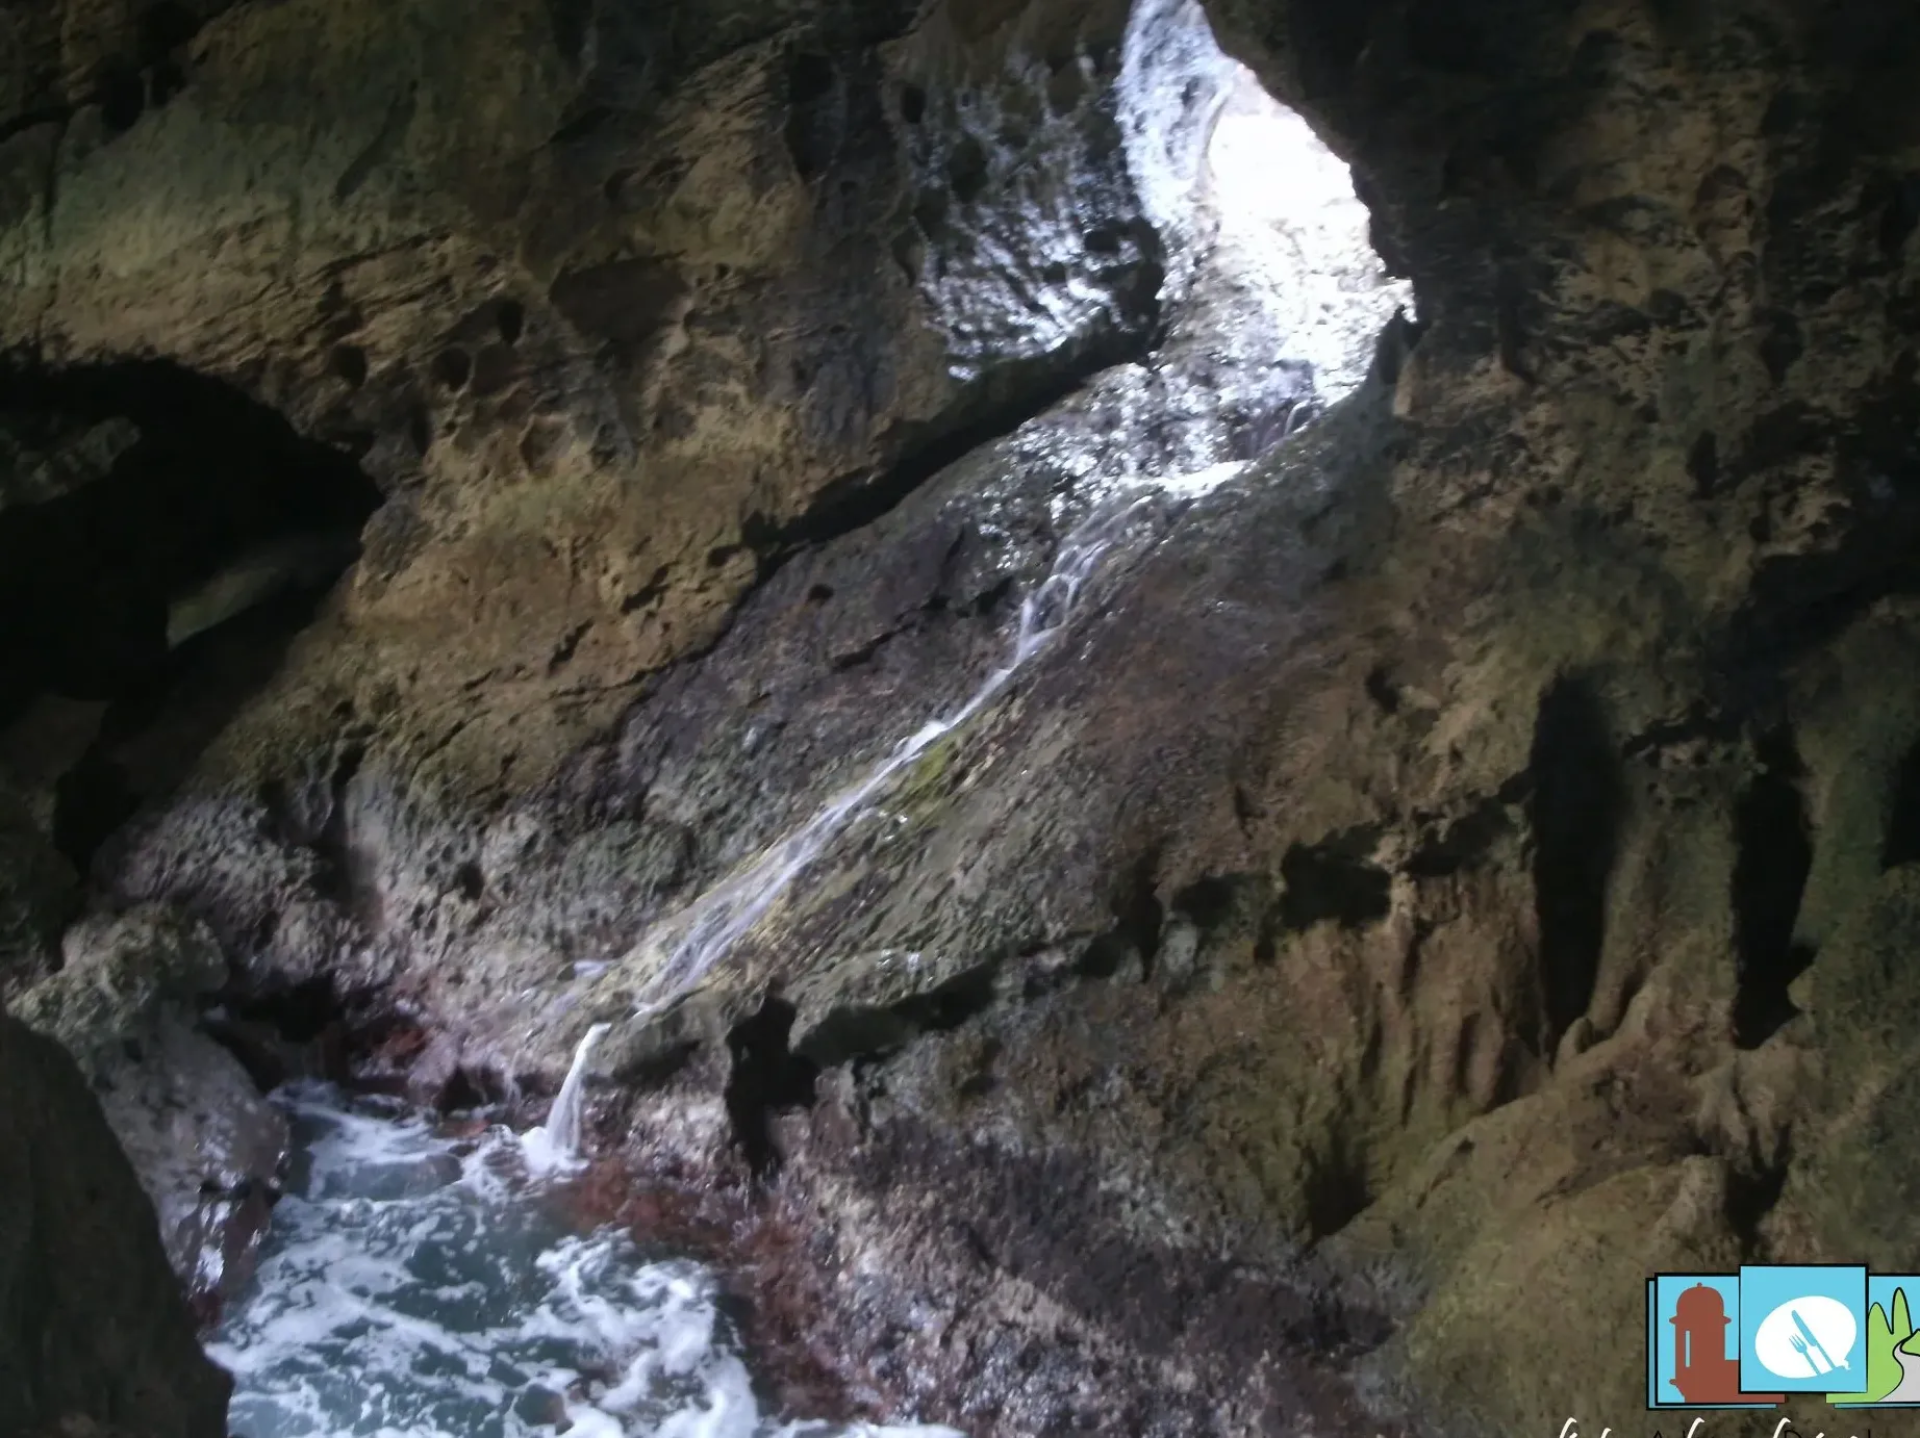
(679, 610)
(181, 534)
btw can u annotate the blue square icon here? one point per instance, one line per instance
(1803, 1328)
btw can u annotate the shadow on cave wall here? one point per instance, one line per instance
(1773, 857)
(140, 608)
(1577, 809)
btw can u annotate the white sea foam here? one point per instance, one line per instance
(416, 1286)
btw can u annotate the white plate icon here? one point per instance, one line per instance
(1806, 1337)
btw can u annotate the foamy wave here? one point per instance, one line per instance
(415, 1286)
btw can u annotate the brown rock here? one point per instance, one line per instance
(1464, 856)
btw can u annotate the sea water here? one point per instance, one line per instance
(420, 1285)
(416, 1285)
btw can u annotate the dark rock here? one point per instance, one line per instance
(37, 896)
(207, 1147)
(99, 1333)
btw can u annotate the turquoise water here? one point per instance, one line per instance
(416, 1285)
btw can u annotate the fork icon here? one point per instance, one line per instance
(1800, 1347)
(1812, 1341)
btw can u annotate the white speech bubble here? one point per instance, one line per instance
(1778, 1341)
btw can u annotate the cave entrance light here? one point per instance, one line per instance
(1292, 230)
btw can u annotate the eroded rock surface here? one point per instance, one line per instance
(1466, 853)
(97, 1337)
(207, 1147)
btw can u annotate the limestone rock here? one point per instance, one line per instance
(208, 1149)
(101, 1339)
(117, 972)
(206, 1145)
(1464, 854)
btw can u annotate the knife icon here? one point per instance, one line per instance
(1808, 1334)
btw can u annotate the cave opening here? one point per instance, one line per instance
(766, 1077)
(162, 539)
(1293, 226)
(1272, 271)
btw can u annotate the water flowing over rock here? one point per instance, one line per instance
(725, 913)
(1460, 847)
(556, 1144)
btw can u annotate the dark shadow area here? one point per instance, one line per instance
(1213, 899)
(1464, 844)
(1335, 879)
(1752, 1193)
(87, 578)
(1577, 806)
(160, 584)
(766, 1078)
(1137, 916)
(285, 1032)
(1902, 842)
(871, 1031)
(1774, 852)
(815, 112)
(90, 801)
(1335, 1188)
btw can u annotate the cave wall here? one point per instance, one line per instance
(520, 271)
(1661, 442)
(1467, 855)
(95, 1330)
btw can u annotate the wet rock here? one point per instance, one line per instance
(205, 1144)
(1461, 855)
(101, 1340)
(207, 1147)
(117, 971)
